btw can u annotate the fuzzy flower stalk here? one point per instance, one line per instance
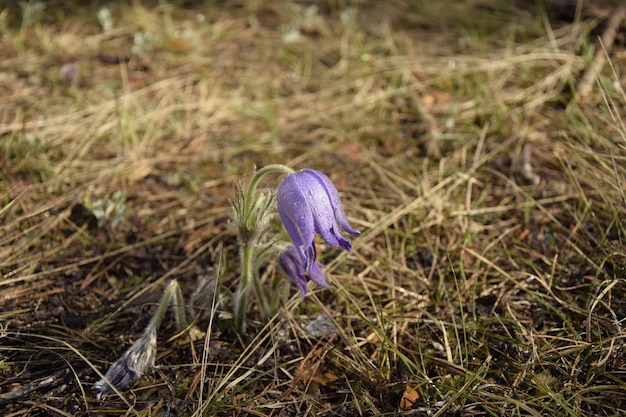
(253, 214)
(307, 203)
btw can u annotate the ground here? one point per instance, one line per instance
(489, 276)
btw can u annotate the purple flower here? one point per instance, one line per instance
(290, 261)
(133, 364)
(308, 202)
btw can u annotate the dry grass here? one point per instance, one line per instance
(489, 278)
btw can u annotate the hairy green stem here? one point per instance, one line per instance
(172, 290)
(254, 182)
(247, 279)
(248, 247)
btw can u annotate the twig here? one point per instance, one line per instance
(606, 43)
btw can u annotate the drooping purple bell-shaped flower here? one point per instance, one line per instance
(291, 263)
(308, 202)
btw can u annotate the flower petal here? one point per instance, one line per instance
(317, 276)
(296, 215)
(322, 210)
(290, 263)
(335, 201)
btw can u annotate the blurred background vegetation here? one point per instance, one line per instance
(489, 277)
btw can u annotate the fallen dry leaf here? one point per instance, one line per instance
(409, 398)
